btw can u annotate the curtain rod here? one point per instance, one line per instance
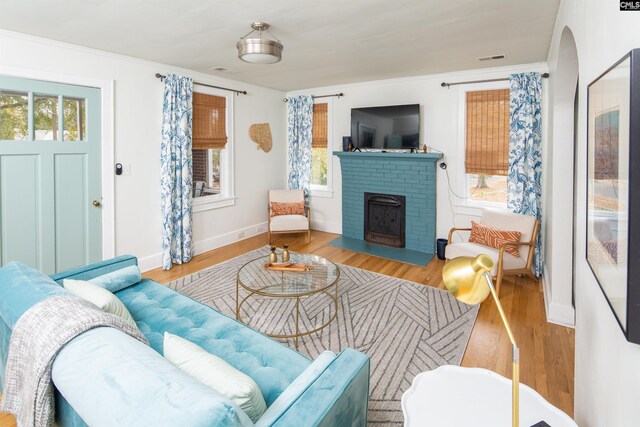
(321, 96)
(443, 84)
(244, 92)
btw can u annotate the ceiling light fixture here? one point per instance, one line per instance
(258, 50)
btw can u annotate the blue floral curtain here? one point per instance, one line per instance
(175, 171)
(525, 152)
(300, 121)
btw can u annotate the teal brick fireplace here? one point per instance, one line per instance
(393, 173)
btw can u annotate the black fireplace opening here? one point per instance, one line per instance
(384, 219)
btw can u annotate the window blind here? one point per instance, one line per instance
(320, 126)
(487, 132)
(209, 122)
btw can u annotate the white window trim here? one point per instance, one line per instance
(227, 177)
(326, 190)
(468, 206)
(320, 191)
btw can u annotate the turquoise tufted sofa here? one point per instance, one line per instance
(106, 378)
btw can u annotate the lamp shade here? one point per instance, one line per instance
(259, 51)
(464, 278)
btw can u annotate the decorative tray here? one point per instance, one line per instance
(287, 266)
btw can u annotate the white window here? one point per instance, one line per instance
(321, 155)
(484, 144)
(212, 149)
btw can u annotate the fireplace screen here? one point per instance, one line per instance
(384, 219)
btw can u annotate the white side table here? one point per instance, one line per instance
(453, 396)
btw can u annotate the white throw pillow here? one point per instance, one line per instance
(215, 373)
(105, 300)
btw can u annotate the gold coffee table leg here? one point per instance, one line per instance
(237, 300)
(297, 316)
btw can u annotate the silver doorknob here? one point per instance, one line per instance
(96, 203)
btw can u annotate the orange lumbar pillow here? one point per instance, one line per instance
(494, 238)
(281, 208)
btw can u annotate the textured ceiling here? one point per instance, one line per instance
(325, 42)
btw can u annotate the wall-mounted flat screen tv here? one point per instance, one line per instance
(393, 127)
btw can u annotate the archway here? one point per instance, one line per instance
(559, 234)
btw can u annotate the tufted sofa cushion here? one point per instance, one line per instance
(158, 309)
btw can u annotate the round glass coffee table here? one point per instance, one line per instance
(319, 282)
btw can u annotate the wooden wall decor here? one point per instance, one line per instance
(260, 133)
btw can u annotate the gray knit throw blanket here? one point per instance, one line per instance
(37, 337)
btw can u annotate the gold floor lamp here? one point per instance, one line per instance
(469, 280)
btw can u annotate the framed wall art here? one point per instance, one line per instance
(613, 189)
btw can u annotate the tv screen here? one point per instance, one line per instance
(391, 127)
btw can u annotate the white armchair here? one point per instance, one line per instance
(281, 224)
(504, 263)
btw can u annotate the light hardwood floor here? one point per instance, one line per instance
(7, 420)
(546, 350)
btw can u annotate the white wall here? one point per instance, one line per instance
(438, 129)
(558, 199)
(607, 370)
(137, 118)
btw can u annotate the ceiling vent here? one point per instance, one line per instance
(491, 58)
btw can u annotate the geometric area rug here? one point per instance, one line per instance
(404, 327)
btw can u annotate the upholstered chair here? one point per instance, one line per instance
(288, 223)
(505, 264)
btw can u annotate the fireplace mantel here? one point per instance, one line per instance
(428, 157)
(412, 175)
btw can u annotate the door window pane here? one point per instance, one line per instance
(45, 117)
(14, 116)
(74, 119)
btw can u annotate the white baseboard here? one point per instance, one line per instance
(150, 262)
(329, 227)
(558, 314)
(202, 246)
(231, 237)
